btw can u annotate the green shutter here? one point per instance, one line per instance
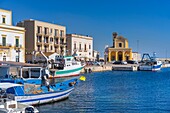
(3, 41)
(17, 42)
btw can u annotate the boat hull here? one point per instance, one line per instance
(68, 72)
(36, 99)
(150, 68)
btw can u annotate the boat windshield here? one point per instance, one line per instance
(31, 72)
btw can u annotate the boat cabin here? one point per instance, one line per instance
(62, 62)
(20, 70)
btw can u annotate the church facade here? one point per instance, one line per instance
(120, 50)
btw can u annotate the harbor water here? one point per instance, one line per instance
(117, 92)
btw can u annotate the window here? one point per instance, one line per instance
(61, 33)
(4, 58)
(51, 47)
(56, 32)
(89, 46)
(120, 44)
(51, 31)
(39, 38)
(17, 42)
(38, 29)
(3, 41)
(74, 45)
(46, 30)
(62, 41)
(17, 58)
(51, 39)
(45, 47)
(45, 39)
(39, 48)
(3, 19)
(85, 47)
(79, 46)
(56, 41)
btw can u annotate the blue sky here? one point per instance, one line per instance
(145, 21)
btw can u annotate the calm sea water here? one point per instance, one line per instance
(117, 92)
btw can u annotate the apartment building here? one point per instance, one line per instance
(43, 36)
(80, 46)
(12, 38)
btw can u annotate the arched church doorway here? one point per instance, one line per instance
(120, 54)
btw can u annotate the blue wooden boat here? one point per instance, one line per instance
(35, 87)
(33, 94)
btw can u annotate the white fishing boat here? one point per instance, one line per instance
(65, 67)
(8, 105)
(150, 64)
(59, 66)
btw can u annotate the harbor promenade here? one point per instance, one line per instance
(109, 67)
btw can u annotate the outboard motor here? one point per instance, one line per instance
(29, 110)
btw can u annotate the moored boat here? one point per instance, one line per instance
(66, 67)
(32, 94)
(151, 64)
(8, 105)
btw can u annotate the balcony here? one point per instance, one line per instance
(39, 33)
(80, 50)
(62, 36)
(63, 46)
(56, 36)
(39, 43)
(85, 50)
(46, 34)
(5, 46)
(56, 44)
(17, 46)
(46, 42)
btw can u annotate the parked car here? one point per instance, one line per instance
(124, 62)
(96, 63)
(132, 62)
(120, 62)
(112, 61)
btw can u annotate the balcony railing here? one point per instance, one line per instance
(39, 43)
(46, 43)
(39, 33)
(85, 50)
(17, 46)
(62, 36)
(46, 33)
(5, 45)
(80, 50)
(56, 36)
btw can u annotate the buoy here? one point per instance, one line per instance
(83, 78)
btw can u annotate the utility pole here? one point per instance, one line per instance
(138, 46)
(166, 53)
